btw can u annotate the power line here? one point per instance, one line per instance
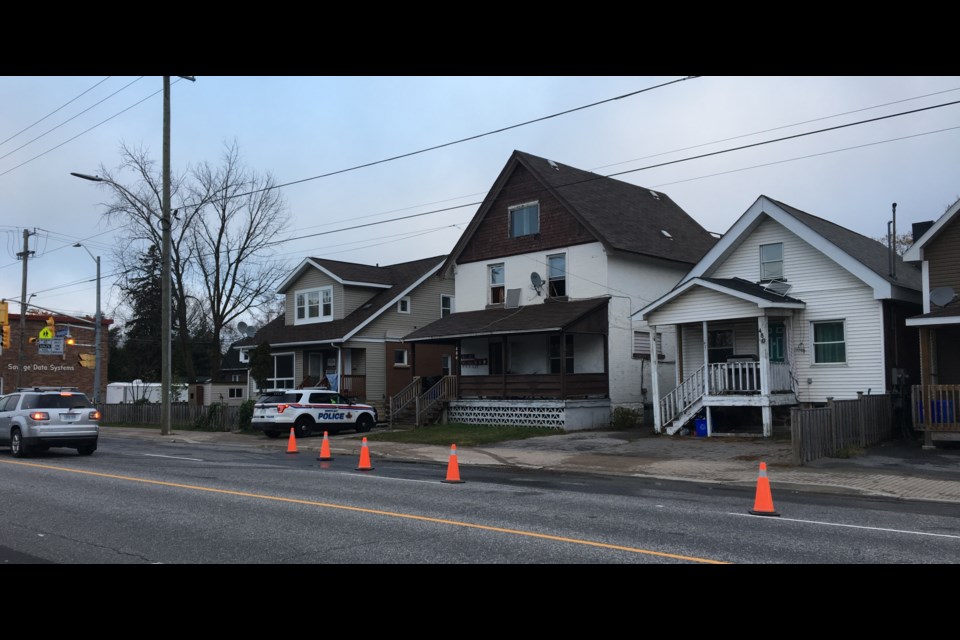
(54, 111)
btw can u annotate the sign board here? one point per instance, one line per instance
(50, 346)
(46, 333)
(62, 332)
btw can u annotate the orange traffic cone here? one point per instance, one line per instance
(453, 469)
(325, 449)
(292, 443)
(364, 457)
(763, 505)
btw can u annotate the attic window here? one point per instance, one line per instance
(666, 234)
(524, 219)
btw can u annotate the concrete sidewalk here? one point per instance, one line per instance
(898, 469)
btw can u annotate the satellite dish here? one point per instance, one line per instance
(536, 281)
(242, 327)
(942, 296)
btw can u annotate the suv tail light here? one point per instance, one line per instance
(282, 407)
(94, 415)
(39, 415)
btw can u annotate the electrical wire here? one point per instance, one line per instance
(28, 127)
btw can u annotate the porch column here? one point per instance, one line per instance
(563, 365)
(763, 337)
(679, 340)
(706, 362)
(503, 366)
(654, 377)
(926, 379)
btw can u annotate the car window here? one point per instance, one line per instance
(279, 398)
(56, 401)
(322, 398)
(9, 403)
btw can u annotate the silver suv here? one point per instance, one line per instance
(37, 418)
(306, 410)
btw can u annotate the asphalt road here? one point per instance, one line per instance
(142, 502)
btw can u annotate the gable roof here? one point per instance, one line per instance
(915, 252)
(347, 273)
(736, 287)
(622, 216)
(531, 318)
(863, 257)
(402, 279)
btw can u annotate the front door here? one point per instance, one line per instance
(778, 341)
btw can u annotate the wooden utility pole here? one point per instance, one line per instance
(24, 255)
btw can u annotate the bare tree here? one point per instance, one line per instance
(223, 219)
(232, 242)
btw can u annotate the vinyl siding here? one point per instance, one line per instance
(943, 255)
(354, 298)
(312, 279)
(424, 309)
(699, 303)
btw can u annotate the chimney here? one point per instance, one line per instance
(920, 228)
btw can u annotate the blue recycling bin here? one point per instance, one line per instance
(700, 427)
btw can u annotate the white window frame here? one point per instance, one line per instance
(764, 263)
(403, 305)
(406, 358)
(244, 356)
(814, 343)
(551, 279)
(322, 294)
(444, 297)
(535, 205)
(291, 380)
(502, 285)
(446, 362)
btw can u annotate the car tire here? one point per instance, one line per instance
(17, 448)
(302, 427)
(364, 423)
(272, 434)
(87, 449)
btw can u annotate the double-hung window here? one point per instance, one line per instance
(771, 261)
(829, 344)
(496, 283)
(525, 219)
(313, 305)
(557, 275)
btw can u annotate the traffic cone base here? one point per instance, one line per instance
(292, 443)
(763, 504)
(325, 449)
(364, 457)
(453, 468)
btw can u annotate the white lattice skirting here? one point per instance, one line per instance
(530, 413)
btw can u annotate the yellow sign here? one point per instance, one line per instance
(3, 312)
(47, 332)
(88, 360)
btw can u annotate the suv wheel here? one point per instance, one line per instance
(364, 423)
(17, 448)
(302, 426)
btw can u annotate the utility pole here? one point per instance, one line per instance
(24, 255)
(166, 369)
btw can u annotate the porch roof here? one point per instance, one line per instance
(735, 287)
(934, 318)
(533, 318)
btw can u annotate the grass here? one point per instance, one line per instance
(463, 435)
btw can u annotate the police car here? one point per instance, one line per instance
(308, 410)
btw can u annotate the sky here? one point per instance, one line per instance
(301, 128)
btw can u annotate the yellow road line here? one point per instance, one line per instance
(392, 514)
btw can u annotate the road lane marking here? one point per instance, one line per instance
(378, 512)
(157, 455)
(851, 526)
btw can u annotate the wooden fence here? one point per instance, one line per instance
(822, 432)
(214, 417)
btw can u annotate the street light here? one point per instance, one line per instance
(96, 364)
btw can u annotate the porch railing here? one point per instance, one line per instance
(445, 390)
(734, 377)
(354, 386)
(936, 407)
(535, 385)
(683, 397)
(407, 395)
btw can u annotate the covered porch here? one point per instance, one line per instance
(936, 400)
(731, 352)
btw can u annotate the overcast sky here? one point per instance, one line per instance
(298, 128)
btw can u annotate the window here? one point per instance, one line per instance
(496, 283)
(525, 219)
(282, 372)
(829, 346)
(400, 357)
(403, 306)
(236, 392)
(719, 345)
(235, 377)
(641, 345)
(446, 305)
(557, 275)
(555, 354)
(446, 364)
(314, 305)
(244, 356)
(771, 261)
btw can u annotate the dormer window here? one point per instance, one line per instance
(313, 305)
(525, 219)
(771, 261)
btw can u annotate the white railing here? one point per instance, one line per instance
(682, 398)
(734, 377)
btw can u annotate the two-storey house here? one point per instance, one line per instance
(343, 323)
(936, 399)
(548, 274)
(787, 308)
